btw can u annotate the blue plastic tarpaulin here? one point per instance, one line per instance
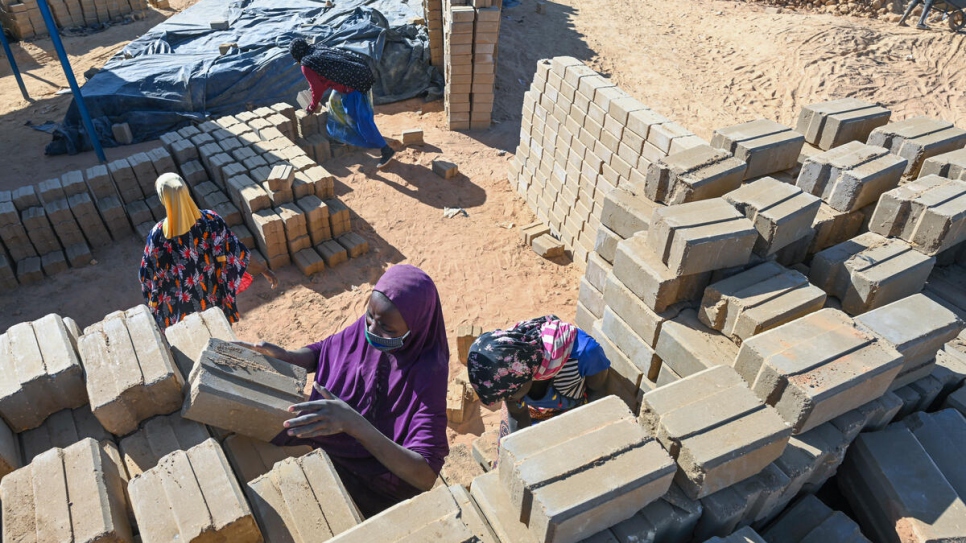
(175, 75)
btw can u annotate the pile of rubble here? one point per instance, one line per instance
(859, 8)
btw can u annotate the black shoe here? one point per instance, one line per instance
(922, 27)
(387, 155)
(902, 23)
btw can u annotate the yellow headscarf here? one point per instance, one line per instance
(182, 212)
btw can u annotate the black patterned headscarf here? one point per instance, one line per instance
(338, 65)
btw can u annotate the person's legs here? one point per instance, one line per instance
(925, 13)
(360, 108)
(912, 5)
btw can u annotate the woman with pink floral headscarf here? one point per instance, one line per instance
(538, 369)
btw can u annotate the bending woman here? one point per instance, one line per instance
(379, 404)
(349, 75)
(538, 369)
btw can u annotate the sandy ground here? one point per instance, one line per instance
(706, 64)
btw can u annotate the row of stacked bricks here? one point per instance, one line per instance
(45, 228)
(699, 269)
(433, 16)
(107, 435)
(22, 19)
(278, 201)
(471, 36)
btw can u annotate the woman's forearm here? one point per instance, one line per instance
(303, 358)
(404, 463)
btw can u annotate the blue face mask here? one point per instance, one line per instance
(385, 344)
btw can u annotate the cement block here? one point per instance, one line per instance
(131, 375)
(942, 435)
(332, 253)
(915, 326)
(715, 428)
(460, 468)
(870, 271)
(781, 213)
(10, 451)
(635, 348)
(766, 146)
(67, 494)
(929, 213)
(831, 124)
(486, 448)
(445, 169)
(817, 367)
(600, 443)
(642, 271)
(957, 401)
(951, 165)
(701, 236)
(236, 389)
(833, 227)
(852, 176)
(606, 243)
(252, 458)
(626, 212)
(494, 503)
(811, 520)
(758, 300)
(158, 437)
(698, 173)
(547, 246)
(918, 138)
(192, 495)
(639, 317)
(897, 492)
(302, 499)
(62, 429)
(466, 334)
(41, 373)
(688, 347)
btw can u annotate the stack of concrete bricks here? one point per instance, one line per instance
(252, 458)
(158, 437)
(22, 19)
(131, 374)
(918, 138)
(471, 37)
(242, 391)
(190, 495)
(302, 499)
(811, 520)
(189, 337)
(830, 124)
(433, 15)
(67, 494)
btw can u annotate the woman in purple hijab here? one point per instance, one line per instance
(379, 404)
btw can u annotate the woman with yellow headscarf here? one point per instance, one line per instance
(192, 261)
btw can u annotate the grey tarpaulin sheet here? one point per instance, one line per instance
(174, 74)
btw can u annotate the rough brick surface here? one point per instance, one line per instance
(781, 213)
(192, 496)
(189, 336)
(757, 300)
(951, 165)
(929, 213)
(131, 374)
(687, 347)
(242, 391)
(62, 429)
(717, 430)
(73, 494)
(595, 447)
(831, 124)
(40, 372)
(10, 456)
(766, 146)
(302, 500)
(158, 437)
(694, 174)
(918, 138)
(252, 458)
(460, 468)
(641, 270)
(701, 236)
(811, 520)
(870, 271)
(817, 367)
(852, 176)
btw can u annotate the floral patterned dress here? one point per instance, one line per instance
(200, 269)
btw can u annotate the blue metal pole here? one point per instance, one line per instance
(69, 73)
(13, 64)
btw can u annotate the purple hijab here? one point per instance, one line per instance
(412, 409)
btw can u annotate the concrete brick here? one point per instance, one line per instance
(915, 326)
(445, 169)
(942, 435)
(302, 499)
(10, 451)
(79, 255)
(547, 246)
(62, 429)
(757, 300)
(355, 245)
(832, 227)
(99, 182)
(445, 514)
(41, 373)
(951, 165)
(29, 271)
(780, 212)
(701, 236)
(191, 495)
(957, 401)
(144, 172)
(460, 468)
(688, 347)
(466, 334)
(332, 253)
(252, 458)
(870, 271)
(765, 146)
(25, 197)
(600, 443)
(627, 211)
(307, 260)
(53, 263)
(918, 138)
(158, 437)
(530, 231)
(715, 428)
(929, 213)
(242, 391)
(635, 348)
(698, 173)
(50, 191)
(817, 367)
(852, 176)
(485, 449)
(894, 488)
(131, 374)
(494, 503)
(67, 494)
(642, 271)
(837, 122)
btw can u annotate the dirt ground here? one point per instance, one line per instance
(705, 64)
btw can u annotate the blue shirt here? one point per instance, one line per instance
(566, 390)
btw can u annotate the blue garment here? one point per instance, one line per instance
(352, 120)
(567, 388)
